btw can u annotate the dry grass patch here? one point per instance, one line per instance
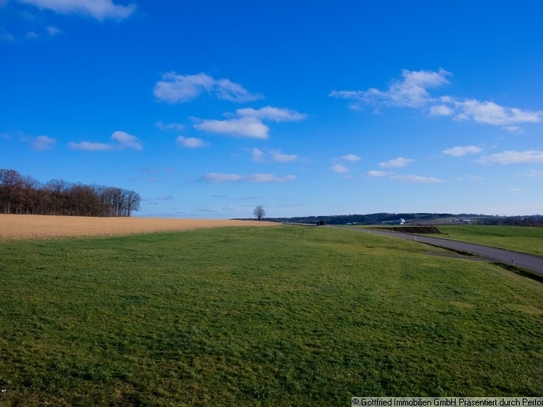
(20, 227)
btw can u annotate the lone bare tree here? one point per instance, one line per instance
(259, 212)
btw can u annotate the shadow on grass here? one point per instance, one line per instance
(520, 271)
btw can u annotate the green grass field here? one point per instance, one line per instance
(519, 238)
(283, 316)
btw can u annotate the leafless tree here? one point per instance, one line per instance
(31, 195)
(11, 184)
(132, 202)
(20, 194)
(259, 212)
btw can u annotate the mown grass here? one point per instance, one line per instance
(283, 316)
(518, 238)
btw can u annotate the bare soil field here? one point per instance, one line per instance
(413, 229)
(22, 227)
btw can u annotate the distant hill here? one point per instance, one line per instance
(413, 219)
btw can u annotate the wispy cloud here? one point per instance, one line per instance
(241, 127)
(258, 155)
(190, 142)
(249, 122)
(272, 156)
(410, 178)
(512, 129)
(41, 143)
(122, 141)
(98, 9)
(513, 157)
(51, 30)
(350, 157)
(262, 177)
(272, 113)
(399, 162)
(5, 36)
(169, 126)
(462, 150)
(340, 168)
(413, 178)
(535, 173)
(377, 174)
(30, 35)
(165, 198)
(176, 88)
(412, 91)
(441, 110)
(492, 113)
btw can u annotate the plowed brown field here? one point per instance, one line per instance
(18, 227)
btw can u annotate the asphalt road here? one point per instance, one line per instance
(525, 261)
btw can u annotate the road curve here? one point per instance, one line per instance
(525, 261)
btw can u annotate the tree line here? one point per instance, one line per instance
(25, 195)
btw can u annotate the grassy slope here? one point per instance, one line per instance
(519, 238)
(259, 316)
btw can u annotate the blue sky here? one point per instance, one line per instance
(210, 108)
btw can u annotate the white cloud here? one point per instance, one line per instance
(350, 157)
(513, 157)
(262, 177)
(272, 156)
(492, 113)
(126, 140)
(99, 9)
(412, 91)
(31, 34)
(409, 91)
(169, 126)
(6, 36)
(258, 155)
(339, 168)
(462, 150)
(122, 141)
(249, 122)
(191, 142)
(377, 174)
(441, 110)
(269, 178)
(53, 30)
(399, 162)
(411, 178)
(272, 113)
(91, 146)
(535, 174)
(42, 143)
(280, 157)
(176, 88)
(218, 177)
(512, 129)
(242, 127)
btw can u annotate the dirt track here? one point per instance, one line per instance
(20, 227)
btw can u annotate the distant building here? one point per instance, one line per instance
(400, 221)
